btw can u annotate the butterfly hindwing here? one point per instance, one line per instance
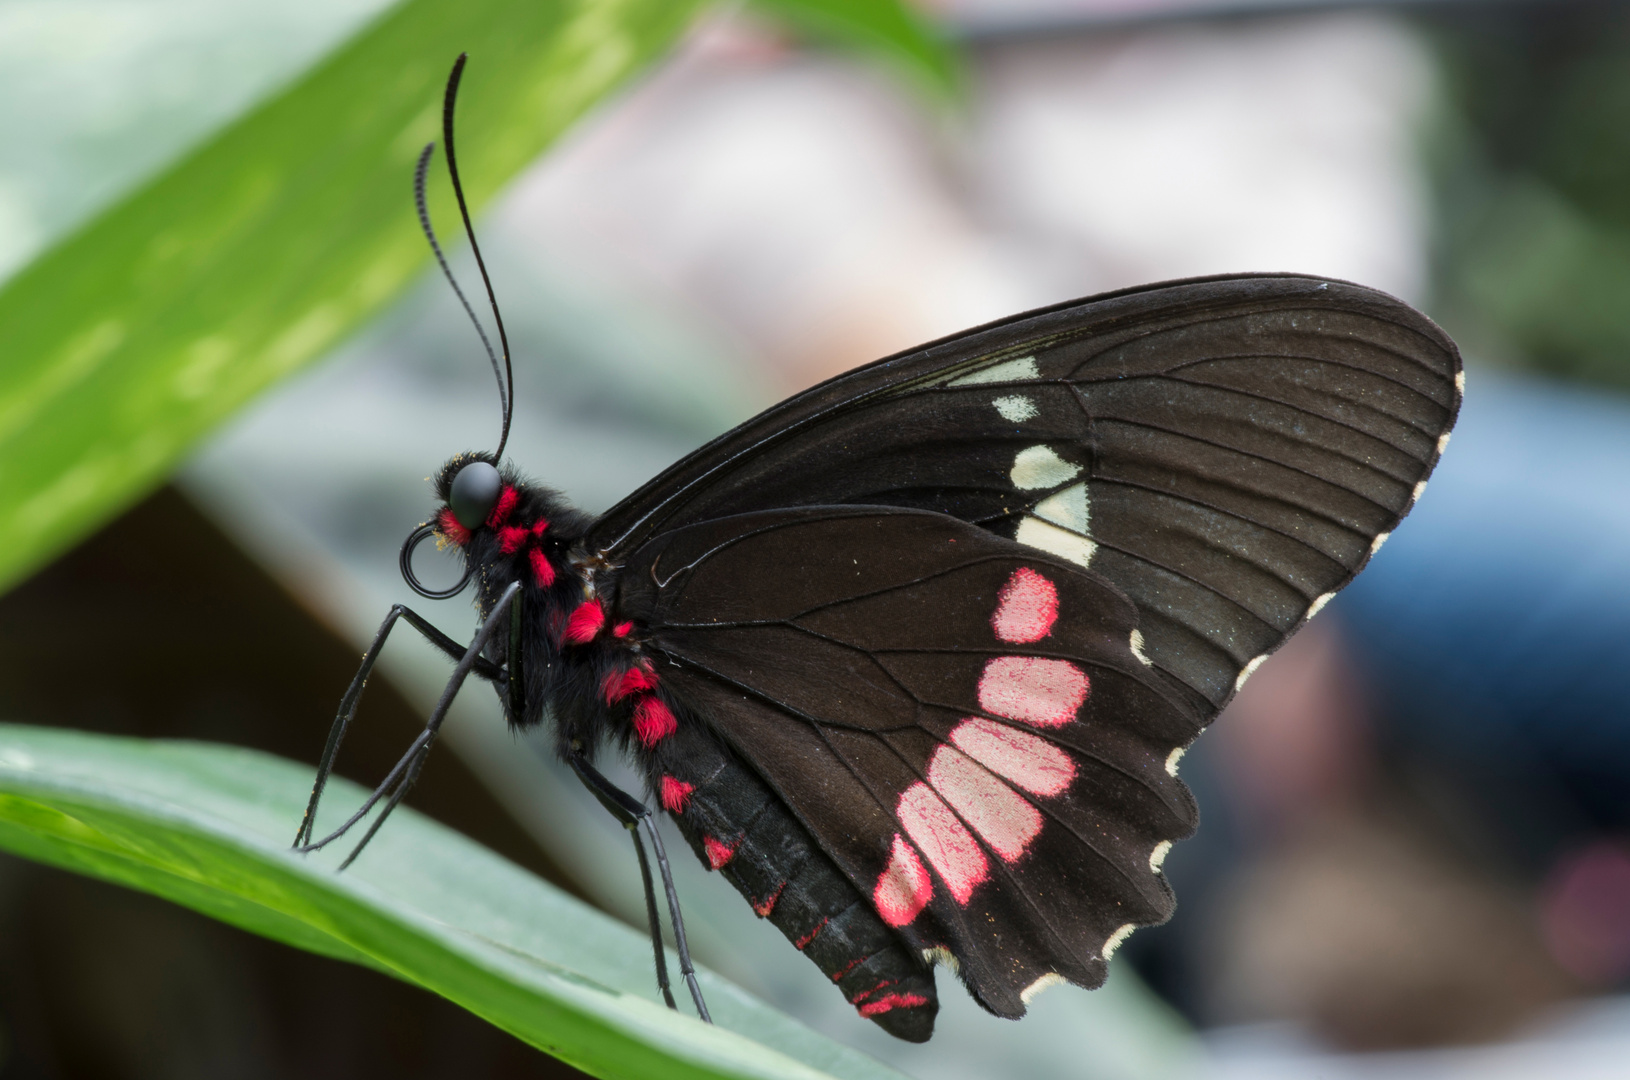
(1226, 452)
(959, 721)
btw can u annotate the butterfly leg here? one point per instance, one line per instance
(406, 771)
(634, 816)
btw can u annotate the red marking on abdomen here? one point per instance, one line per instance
(767, 905)
(500, 511)
(448, 526)
(718, 852)
(891, 1001)
(950, 848)
(585, 622)
(864, 994)
(621, 629)
(621, 684)
(837, 976)
(542, 570)
(1033, 689)
(675, 794)
(1026, 608)
(1030, 761)
(653, 721)
(1000, 815)
(903, 889)
(811, 936)
(510, 538)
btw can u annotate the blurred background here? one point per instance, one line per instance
(1415, 852)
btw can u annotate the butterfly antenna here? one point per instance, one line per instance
(506, 374)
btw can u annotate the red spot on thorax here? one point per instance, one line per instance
(584, 623)
(675, 794)
(767, 905)
(501, 511)
(510, 538)
(448, 526)
(622, 629)
(891, 1001)
(719, 852)
(653, 721)
(811, 936)
(539, 526)
(621, 684)
(542, 570)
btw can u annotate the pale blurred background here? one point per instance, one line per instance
(1415, 852)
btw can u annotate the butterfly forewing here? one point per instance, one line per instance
(958, 720)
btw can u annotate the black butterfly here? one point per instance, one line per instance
(911, 657)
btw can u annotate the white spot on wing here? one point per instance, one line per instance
(1116, 938)
(1158, 855)
(1420, 489)
(1016, 408)
(1375, 545)
(1038, 467)
(1318, 605)
(1460, 382)
(1137, 649)
(1029, 993)
(1067, 508)
(1021, 370)
(1045, 536)
(1250, 669)
(939, 954)
(1443, 442)
(1172, 759)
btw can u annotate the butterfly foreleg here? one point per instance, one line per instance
(406, 771)
(635, 816)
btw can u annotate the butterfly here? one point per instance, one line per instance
(911, 657)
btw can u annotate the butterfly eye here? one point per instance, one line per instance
(474, 493)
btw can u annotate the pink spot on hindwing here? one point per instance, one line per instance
(675, 794)
(903, 889)
(1000, 815)
(1033, 689)
(1029, 761)
(950, 848)
(718, 852)
(1026, 608)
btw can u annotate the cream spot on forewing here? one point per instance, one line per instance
(904, 888)
(1038, 467)
(1318, 605)
(1158, 856)
(1015, 408)
(1045, 536)
(1034, 689)
(1028, 760)
(1443, 442)
(950, 848)
(939, 954)
(1021, 370)
(1420, 489)
(1026, 608)
(996, 812)
(1375, 545)
(1137, 649)
(1460, 382)
(1248, 671)
(1052, 978)
(1116, 938)
(1067, 508)
(1173, 758)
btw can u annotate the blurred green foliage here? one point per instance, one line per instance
(261, 249)
(1532, 167)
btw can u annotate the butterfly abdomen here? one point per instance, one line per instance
(740, 827)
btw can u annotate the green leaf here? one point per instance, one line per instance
(255, 253)
(209, 827)
(893, 29)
